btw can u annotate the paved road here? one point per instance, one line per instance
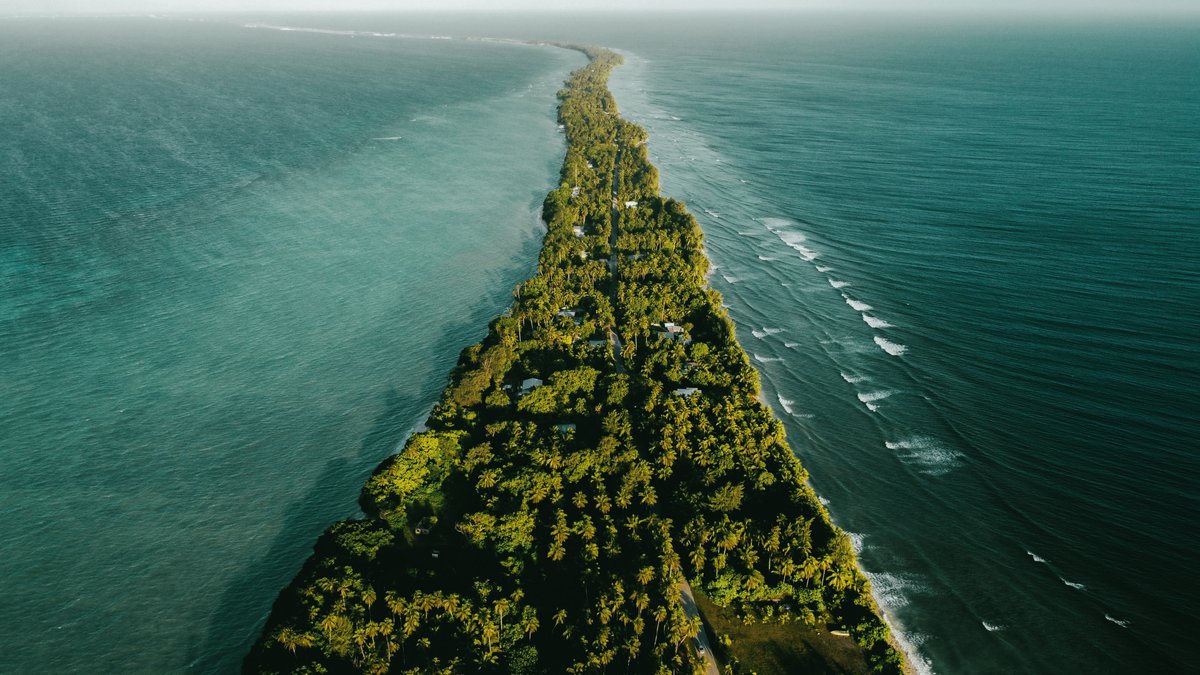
(686, 599)
(612, 262)
(689, 607)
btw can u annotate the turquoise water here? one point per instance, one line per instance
(236, 267)
(965, 257)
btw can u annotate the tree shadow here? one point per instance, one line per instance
(240, 615)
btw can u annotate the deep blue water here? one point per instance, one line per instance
(966, 259)
(964, 255)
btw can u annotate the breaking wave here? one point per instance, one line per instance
(875, 322)
(872, 396)
(786, 403)
(929, 454)
(796, 241)
(893, 348)
(856, 305)
(891, 592)
(776, 224)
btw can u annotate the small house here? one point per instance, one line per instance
(529, 385)
(578, 231)
(597, 343)
(575, 191)
(564, 429)
(673, 331)
(631, 205)
(686, 391)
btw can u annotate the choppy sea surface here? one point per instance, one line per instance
(963, 254)
(965, 258)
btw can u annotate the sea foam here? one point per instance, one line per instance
(893, 348)
(1120, 622)
(838, 284)
(786, 403)
(796, 240)
(776, 224)
(891, 592)
(856, 305)
(872, 396)
(856, 541)
(875, 322)
(934, 458)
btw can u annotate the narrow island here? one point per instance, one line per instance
(600, 488)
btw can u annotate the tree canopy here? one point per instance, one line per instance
(568, 482)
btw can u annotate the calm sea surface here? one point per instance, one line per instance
(965, 258)
(236, 266)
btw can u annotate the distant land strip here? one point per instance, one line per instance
(602, 452)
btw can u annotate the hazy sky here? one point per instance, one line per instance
(1060, 6)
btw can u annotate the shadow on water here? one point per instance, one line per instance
(243, 609)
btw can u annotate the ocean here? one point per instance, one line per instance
(236, 266)
(965, 258)
(964, 254)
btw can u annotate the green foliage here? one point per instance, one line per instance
(549, 530)
(414, 476)
(362, 538)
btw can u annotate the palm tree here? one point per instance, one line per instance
(645, 575)
(660, 615)
(292, 639)
(501, 606)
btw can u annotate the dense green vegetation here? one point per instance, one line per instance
(564, 488)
